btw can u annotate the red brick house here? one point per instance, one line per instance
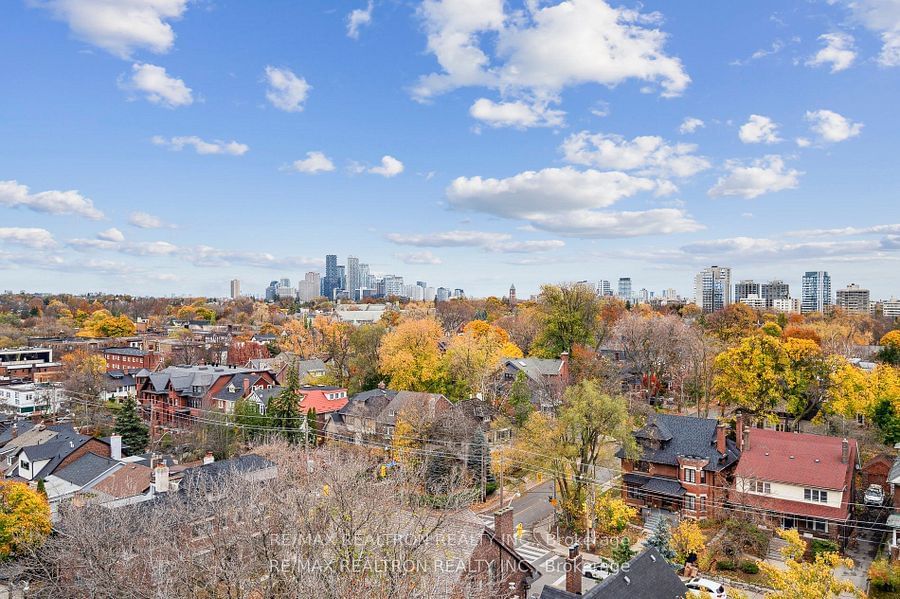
(130, 358)
(178, 395)
(684, 465)
(797, 480)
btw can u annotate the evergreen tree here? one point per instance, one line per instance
(623, 552)
(662, 539)
(284, 408)
(479, 461)
(520, 399)
(312, 427)
(41, 488)
(439, 474)
(135, 434)
(249, 421)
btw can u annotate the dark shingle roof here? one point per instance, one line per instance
(685, 436)
(647, 576)
(125, 351)
(244, 464)
(86, 468)
(21, 427)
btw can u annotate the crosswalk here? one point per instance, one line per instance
(532, 552)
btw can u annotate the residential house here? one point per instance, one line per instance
(131, 358)
(119, 385)
(893, 520)
(684, 465)
(178, 396)
(357, 419)
(876, 471)
(646, 576)
(797, 480)
(33, 462)
(79, 475)
(414, 405)
(26, 399)
(546, 378)
(306, 369)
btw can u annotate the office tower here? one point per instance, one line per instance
(363, 280)
(816, 292)
(625, 288)
(853, 299)
(512, 295)
(773, 290)
(414, 292)
(393, 285)
(891, 308)
(284, 283)
(443, 294)
(745, 289)
(311, 287)
(712, 288)
(332, 279)
(430, 294)
(342, 277)
(235, 288)
(670, 294)
(422, 284)
(459, 293)
(272, 291)
(352, 272)
(604, 288)
(643, 296)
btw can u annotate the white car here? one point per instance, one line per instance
(696, 587)
(874, 495)
(597, 570)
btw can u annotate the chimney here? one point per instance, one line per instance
(161, 478)
(721, 446)
(845, 451)
(115, 447)
(208, 458)
(573, 571)
(382, 385)
(739, 431)
(745, 444)
(15, 430)
(246, 386)
(503, 525)
(564, 368)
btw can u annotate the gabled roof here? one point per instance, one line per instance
(127, 481)
(647, 576)
(243, 465)
(424, 405)
(86, 468)
(796, 459)
(537, 368)
(893, 476)
(368, 404)
(685, 436)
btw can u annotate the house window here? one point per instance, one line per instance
(634, 493)
(816, 525)
(690, 476)
(703, 476)
(860, 419)
(758, 486)
(703, 504)
(25, 465)
(689, 502)
(642, 466)
(815, 495)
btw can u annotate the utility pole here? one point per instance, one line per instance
(501, 481)
(483, 479)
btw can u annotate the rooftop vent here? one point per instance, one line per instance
(817, 460)
(792, 457)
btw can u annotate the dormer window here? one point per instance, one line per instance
(231, 388)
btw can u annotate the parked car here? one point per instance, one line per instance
(697, 586)
(598, 570)
(874, 495)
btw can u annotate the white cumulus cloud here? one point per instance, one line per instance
(120, 26)
(690, 124)
(645, 154)
(883, 18)
(516, 114)
(418, 258)
(839, 52)
(764, 175)
(112, 234)
(157, 86)
(143, 220)
(759, 129)
(286, 91)
(202, 146)
(390, 167)
(35, 238)
(15, 195)
(358, 18)
(832, 127)
(494, 242)
(315, 162)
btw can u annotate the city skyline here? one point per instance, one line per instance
(177, 159)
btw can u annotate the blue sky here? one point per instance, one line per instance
(167, 146)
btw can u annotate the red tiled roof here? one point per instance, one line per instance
(797, 459)
(316, 398)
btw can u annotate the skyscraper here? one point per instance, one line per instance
(272, 291)
(775, 290)
(310, 287)
(235, 288)
(853, 299)
(816, 292)
(625, 288)
(745, 288)
(712, 288)
(512, 295)
(332, 279)
(353, 282)
(604, 288)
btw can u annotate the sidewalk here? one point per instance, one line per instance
(493, 502)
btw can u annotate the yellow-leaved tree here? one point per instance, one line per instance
(24, 518)
(687, 538)
(806, 580)
(404, 442)
(611, 514)
(103, 324)
(474, 355)
(411, 357)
